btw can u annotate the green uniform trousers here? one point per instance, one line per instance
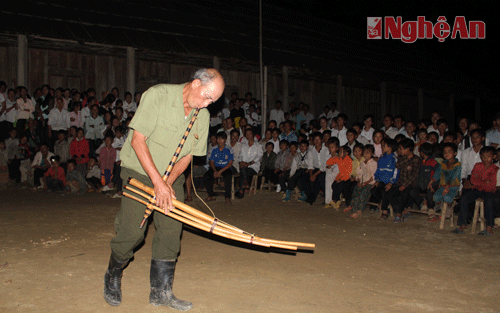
(167, 238)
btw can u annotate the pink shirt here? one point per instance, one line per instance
(78, 122)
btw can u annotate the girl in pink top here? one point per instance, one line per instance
(75, 117)
(366, 178)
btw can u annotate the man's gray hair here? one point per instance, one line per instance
(205, 75)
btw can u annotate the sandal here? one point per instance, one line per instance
(484, 233)
(434, 218)
(348, 209)
(210, 199)
(458, 231)
(188, 199)
(356, 214)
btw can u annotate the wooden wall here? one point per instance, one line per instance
(81, 71)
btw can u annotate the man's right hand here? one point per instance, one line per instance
(164, 194)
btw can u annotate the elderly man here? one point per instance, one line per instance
(156, 130)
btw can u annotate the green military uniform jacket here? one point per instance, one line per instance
(160, 117)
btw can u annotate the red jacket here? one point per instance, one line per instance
(60, 174)
(78, 148)
(484, 179)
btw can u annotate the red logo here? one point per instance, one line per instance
(410, 31)
(374, 26)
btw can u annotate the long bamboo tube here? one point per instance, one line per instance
(215, 228)
(207, 228)
(183, 206)
(173, 160)
(209, 225)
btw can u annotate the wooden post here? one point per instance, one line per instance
(130, 70)
(285, 89)
(420, 103)
(264, 103)
(22, 60)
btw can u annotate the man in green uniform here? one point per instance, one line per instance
(156, 130)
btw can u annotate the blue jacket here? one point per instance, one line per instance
(386, 169)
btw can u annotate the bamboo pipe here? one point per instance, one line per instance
(213, 228)
(211, 225)
(206, 228)
(134, 182)
(173, 160)
(273, 243)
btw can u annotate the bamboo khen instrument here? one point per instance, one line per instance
(190, 216)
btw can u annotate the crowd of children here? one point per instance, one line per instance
(64, 140)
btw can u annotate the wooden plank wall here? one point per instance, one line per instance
(81, 71)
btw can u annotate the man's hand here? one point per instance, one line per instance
(467, 184)
(164, 194)
(402, 188)
(217, 174)
(446, 190)
(388, 186)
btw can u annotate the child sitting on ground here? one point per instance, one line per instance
(93, 177)
(79, 149)
(365, 179)
(484, 179)
(448, 176)
(386, 175)
(344, 162)
(54, 179)
(407, 165)
(107, 158)
(74, 179)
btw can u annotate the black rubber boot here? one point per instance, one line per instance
(113, 281)
(162, 279)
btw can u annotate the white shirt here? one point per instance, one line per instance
(129, 107)
(368, 135)
(309, 117)
(302, 160)
(236, 151)
(38, 158)
(277, 115)
(391, 132)
(319, 158)
(59, 120)
(118, 144)
(276, 143)
(94, 132)
(468, 159)
(332, 114)
(12, 114)
(84, 113)
(251, 154)
(226, 113)
(342, 136)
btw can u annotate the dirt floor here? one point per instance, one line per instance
(54, 251)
